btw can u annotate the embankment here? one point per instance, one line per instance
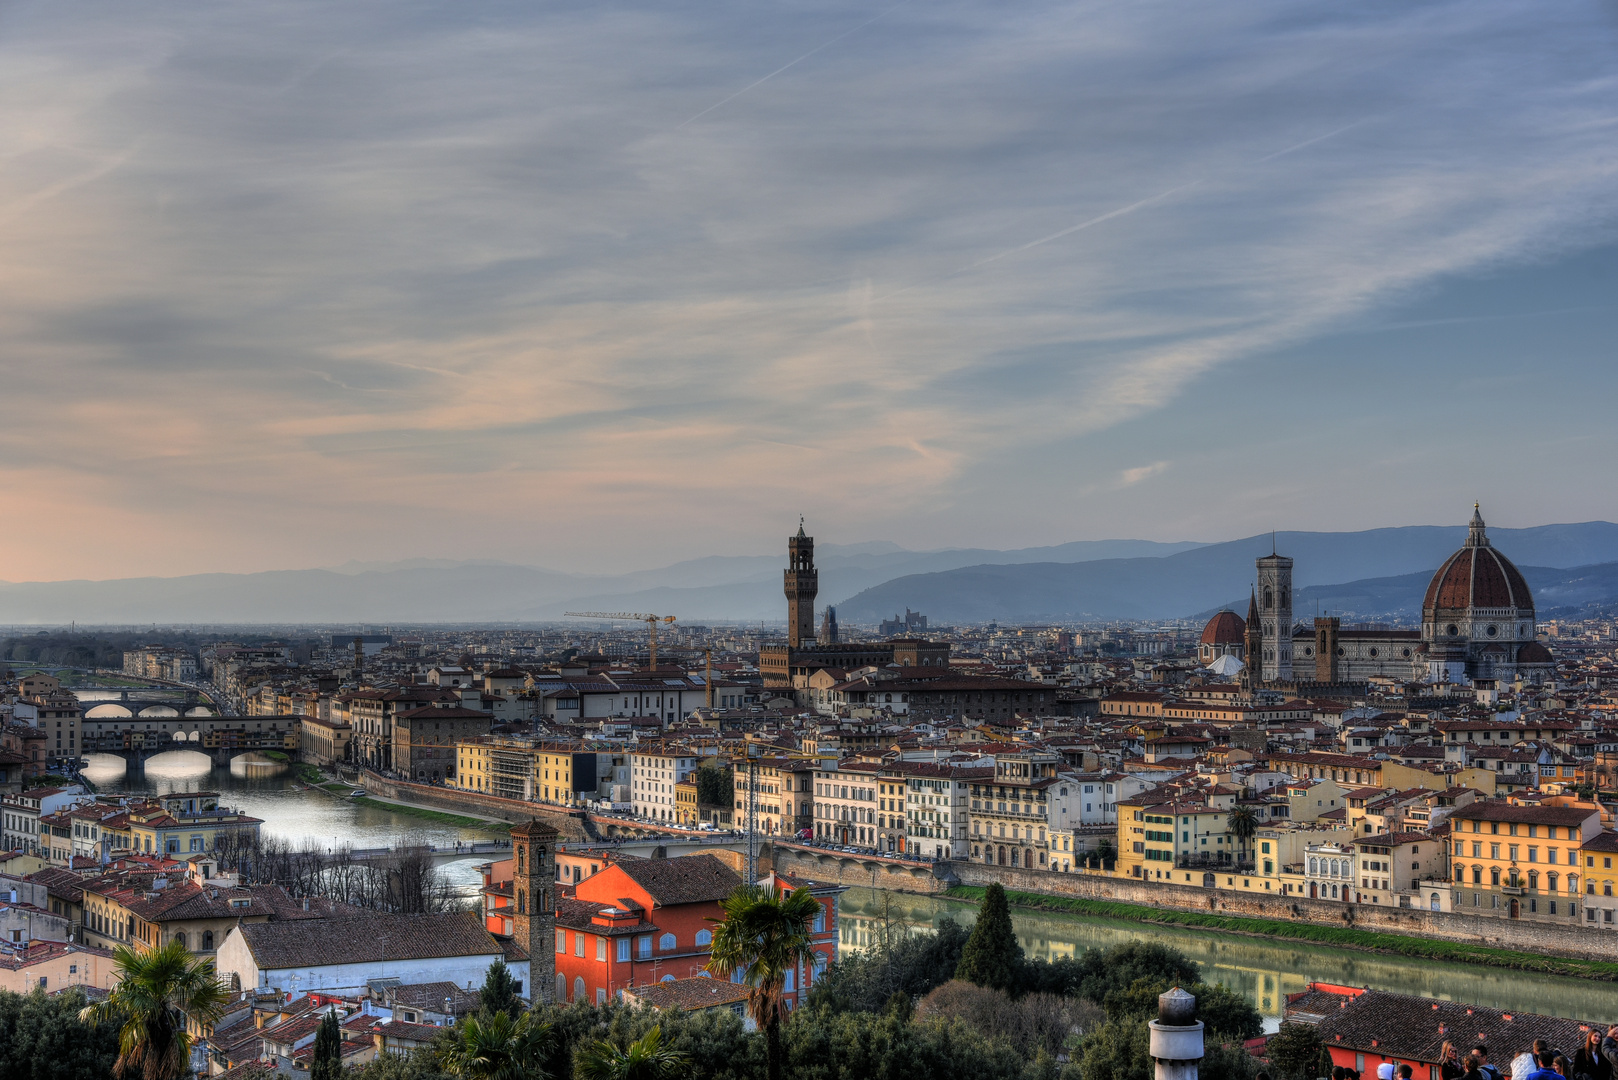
(572, 826)
(1512, 935)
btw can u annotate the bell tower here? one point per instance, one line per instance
(1275, 613)
(802, 584)
(1252, 646)
(533, 922)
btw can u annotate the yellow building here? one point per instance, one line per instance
(1166, 841)
(57, 965)
(187, 823)
(519, 767)
(1526, 861)
(685, 802)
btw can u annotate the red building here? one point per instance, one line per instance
(824, 931)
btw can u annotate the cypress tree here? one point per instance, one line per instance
(327, 1062)
(500, 992)
(992, 956)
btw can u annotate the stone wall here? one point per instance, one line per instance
(571, 825)
(1570, 940)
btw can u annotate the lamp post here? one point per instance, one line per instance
(1176, 1036)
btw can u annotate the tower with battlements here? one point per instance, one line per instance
(802, 585)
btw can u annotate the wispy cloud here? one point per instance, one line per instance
(579, 275)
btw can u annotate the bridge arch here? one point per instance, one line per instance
(107, 710)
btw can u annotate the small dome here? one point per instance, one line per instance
(1477, 576)
(1534, 653)
(1225, 628)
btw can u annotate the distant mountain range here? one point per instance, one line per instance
(1374, 563)
(1086, 580)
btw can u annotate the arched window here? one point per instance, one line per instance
(666, 978)
(578, 988)
(704, 937)
(180, 937)
(561, 988)
(1269, 598)
(665, 943)
(207, 941)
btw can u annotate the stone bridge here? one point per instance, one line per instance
(871, 870)
(137, 737)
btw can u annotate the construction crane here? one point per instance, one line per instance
(651, 622)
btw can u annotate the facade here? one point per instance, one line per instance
(845, 804)
(785, 795)
(653, 773)
(937, 802)
(371, 713)
(56, 965)
(424, 740)
(1392, 866)
(1275, 617)
(324, 742)
(637, 922)
(1010, 810)
(1522, 861)
(525, 768)
(188, 823)
(22, 811)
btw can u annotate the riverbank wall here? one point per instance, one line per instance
(573, 826)
(1550, 939)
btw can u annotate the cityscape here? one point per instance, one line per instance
(819, 541)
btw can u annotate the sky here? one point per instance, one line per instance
(602, 286)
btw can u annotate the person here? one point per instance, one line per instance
(1489, 1072)
(1563, 1067)
(1338, 1073)
(1384, 1071)
(1474, 1068)
(1532, 1061)
(1450, 1066)
(1544, 1059)
(1406, 1072)
(1609, 1048)
(1588, 1063)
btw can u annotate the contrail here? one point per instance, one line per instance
(793, 63)
(1311, 142)
(1108, 216)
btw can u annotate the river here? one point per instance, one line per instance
(1263, 970)
(289, 809)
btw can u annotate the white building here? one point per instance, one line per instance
(23, 810)
(845, 804)
(1329, 869)
(296, 956)
(653, 772)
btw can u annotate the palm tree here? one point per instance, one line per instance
(645, 1059)
(1243, 825)
(496, 1047)
(764, 937)
(156, 994)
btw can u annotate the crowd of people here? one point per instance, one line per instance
(1595, 1060)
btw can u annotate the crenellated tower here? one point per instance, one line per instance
(802, 585)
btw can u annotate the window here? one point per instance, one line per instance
(665, 943)
(623, 950)
(561, 941)
(578, 943)
(704, 937)
(207, 941)
(644, 946)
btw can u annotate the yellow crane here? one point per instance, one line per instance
(651, 621)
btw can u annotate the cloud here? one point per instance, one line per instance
(1130, 477)
(288, 284)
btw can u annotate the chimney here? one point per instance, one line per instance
(1176, 1036)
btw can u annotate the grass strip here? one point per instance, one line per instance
(276, 755)
(337, 787)
(1340, 936)
(308, 773)
(434, 815)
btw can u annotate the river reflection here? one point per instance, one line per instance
(1263, 970)
(289, 808)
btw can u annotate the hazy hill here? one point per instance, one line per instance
(1206, 577)
(1109, 579)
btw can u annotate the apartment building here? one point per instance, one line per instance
(845, 803)
(1525, 861)
(654, 771)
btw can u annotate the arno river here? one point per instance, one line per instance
(1263, 970)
